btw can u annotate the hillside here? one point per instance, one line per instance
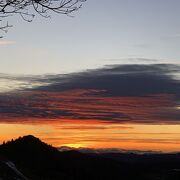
(38, 160)
(35, 160)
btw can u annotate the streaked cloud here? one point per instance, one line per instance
(133, 60)
(146, 94)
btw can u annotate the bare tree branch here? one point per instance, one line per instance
(27, 9)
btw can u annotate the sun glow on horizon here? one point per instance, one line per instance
(164, 138)
(74, 145)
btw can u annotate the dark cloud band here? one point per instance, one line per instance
(147, 94)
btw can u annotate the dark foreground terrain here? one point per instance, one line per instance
(28, 158)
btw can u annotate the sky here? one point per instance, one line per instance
(109, 74)
(102, 32)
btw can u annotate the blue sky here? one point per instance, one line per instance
(102, 32)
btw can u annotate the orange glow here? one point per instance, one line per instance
(79, 118)
(128, 136)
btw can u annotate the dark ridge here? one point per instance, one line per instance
(40, 161)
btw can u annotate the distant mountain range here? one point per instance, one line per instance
(28, 158)
(106, 150)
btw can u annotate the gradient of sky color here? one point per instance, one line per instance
(102, 32)
(122, 85)
(129, 106)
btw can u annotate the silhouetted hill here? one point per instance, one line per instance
(39, 161)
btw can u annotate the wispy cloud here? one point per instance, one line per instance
(6, 42)
(10, 83)
(134, 60)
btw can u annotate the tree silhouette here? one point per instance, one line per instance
(27, 9)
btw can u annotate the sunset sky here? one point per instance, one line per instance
(107, 78)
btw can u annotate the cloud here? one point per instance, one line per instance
(13, 82)
(134, 60)
(7, 42)
(91, 127)
(171, 37)
(147, 94)
(143, 46)
(122, 80)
